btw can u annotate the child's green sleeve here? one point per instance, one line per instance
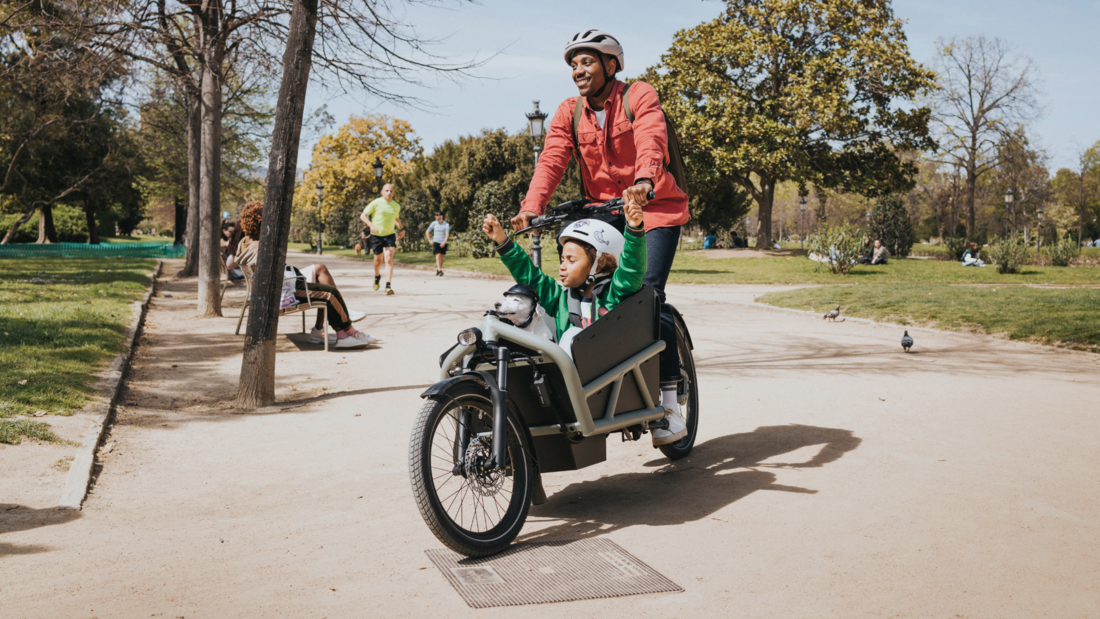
(629, 277)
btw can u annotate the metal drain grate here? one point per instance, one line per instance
(544, 572)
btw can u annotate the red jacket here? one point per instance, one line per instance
(613, 157)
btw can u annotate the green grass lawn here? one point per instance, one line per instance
(61, 321)
(937, 293)
(1064, 317)
(695, 268)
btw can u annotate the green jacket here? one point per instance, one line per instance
(554, 297)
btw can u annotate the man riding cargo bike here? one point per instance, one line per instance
(512, 403)
(619, 137)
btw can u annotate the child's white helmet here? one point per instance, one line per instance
(599, 234)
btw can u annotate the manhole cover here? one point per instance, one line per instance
(549, 572)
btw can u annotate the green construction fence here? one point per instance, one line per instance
(84, 250)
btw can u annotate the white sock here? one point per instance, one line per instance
(668, 399)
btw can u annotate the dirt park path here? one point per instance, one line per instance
(834, 476)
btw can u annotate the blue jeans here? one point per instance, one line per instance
(660, 247)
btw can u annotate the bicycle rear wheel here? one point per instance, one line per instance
(687, 393)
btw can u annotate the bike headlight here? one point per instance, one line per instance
(469, 337)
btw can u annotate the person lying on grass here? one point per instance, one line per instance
(600, 267)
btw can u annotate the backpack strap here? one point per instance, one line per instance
(573, 302)
(578, 109)
(626, 104)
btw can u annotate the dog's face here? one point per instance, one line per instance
(515, 308)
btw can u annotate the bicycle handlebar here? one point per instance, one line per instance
(573, 210)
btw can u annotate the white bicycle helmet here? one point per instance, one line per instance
(597, 40)
(599, 234)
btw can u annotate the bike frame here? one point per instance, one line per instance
(495, 332)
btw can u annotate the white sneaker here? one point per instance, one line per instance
(315, 336)
(359, 340)
(677, 429)
(355, 316)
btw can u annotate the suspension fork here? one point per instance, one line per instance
(500, 410)
(463, 440)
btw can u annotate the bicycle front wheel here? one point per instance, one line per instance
(473, 509)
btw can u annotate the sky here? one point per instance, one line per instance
(523, 42)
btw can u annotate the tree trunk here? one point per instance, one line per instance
(10, 236)
(257, 384)
(93, 230)
(179, 223)
(971, 190)
(46, 231)
(764, 219)
(1081, 216)
(822, 213)
(194, 184)
(209, 304)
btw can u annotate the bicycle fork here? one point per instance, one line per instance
(500, 410)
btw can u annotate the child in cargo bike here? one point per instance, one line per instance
(600, 268)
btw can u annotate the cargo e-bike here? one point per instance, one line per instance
(511, 405)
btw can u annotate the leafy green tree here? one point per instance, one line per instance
(60, 124)
(718, 207)
(453, 175)
(812, 91)
(1080, 189)
(1021, 167)
(343, 161)
(416, 214)
(891, 224)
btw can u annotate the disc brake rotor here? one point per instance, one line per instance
(483, 479)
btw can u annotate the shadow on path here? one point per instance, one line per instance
(15, 518)
(689, 489)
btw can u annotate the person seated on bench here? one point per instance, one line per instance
(599, 269)
(339, 316)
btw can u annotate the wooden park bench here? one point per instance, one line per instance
(300, 308)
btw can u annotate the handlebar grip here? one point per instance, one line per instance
(651, 195)
(537, 221)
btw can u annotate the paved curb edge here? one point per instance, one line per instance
(80, 471)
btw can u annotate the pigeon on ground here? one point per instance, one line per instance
(906, 342)
(833, 314)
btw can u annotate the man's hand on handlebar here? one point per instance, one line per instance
(638, 193)
(522, 220)
(492, 228)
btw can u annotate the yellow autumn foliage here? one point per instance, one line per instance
(343, 161)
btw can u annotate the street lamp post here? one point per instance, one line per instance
(320, 188)
(1009, 195)
(535, 120)
(802, 224)
(377, 165)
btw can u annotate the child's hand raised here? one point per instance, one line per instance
(492, 229)
(633, 214)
